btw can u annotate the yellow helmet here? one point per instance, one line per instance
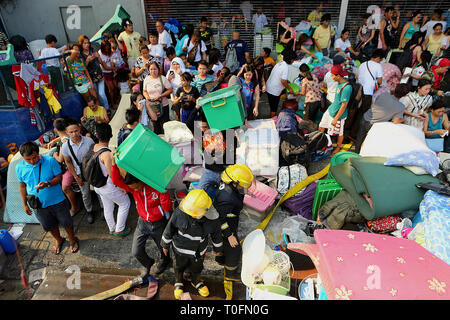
(238, 173)
(196, 203)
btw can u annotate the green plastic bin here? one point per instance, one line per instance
(224, 108)
(149, 158)
(340, 158)
(326, 190)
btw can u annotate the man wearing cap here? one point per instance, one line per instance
(334, 118)
(435, 76)
(187, 232)
(328, 81)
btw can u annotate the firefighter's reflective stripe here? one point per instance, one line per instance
(191, 237)
(224, 226)
(231, 215)
(165, 240)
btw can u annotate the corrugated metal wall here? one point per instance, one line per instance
(190, 12)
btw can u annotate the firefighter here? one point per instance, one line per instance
(187, 232)
(229, 201)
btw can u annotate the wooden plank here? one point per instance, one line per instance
(54, 286)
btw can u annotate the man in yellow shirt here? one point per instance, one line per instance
(315, 16)
(323, 34)
(131, 40)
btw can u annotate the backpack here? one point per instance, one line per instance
(90, 166)
(231, 59)
(123, 133)
(287, 121)
(405, 59)
(294, 149)
(317, 141)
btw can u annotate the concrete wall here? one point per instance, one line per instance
(34, 19)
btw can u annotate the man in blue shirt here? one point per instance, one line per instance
(41, 177)
(242, 52)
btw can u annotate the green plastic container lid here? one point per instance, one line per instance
(149, 158)
(279, 48)
(340, 158)
(294, 87)
(220, 94)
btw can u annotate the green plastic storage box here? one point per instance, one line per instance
(339, 158)
(325, 191)
(223, 108)
(149, 158)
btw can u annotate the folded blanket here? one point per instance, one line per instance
(340, 210)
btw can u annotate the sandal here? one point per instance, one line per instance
(76, 242)
(122, 234)
(201, 288)
(57, 249)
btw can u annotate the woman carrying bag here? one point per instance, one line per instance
(156, 91)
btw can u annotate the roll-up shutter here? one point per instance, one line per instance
(191, 11)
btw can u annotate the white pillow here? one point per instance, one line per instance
(386, 139)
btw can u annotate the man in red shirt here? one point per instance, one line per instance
(153, 208)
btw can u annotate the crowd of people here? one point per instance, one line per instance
(166, 78)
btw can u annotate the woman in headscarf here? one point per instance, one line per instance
(177, 68)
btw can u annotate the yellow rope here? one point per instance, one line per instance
(295, 189)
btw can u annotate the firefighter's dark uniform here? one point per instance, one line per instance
(229, 203)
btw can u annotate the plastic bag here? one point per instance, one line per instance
(294, 227)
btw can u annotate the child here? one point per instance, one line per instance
(186, 97)
(333, 119)
(53, 65)
(268, 60)
(310, 89)
(152, 207)
(187, 232)
(250, 93)
(202, 78)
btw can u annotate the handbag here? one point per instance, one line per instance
(376, 83)
(32, 200)
(384, 224)
(157, 106)
(193, 53)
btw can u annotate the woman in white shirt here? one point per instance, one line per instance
(108, 68)
(343, 45)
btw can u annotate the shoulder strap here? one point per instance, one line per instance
(367, 65)
(39, 179)
(73, 155)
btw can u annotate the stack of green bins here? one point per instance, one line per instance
(149, 158)
(223, 108)
(326, 190)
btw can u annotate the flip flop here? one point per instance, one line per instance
(57, 250)
(124, 233)
(73, 244)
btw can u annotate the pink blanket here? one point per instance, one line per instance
(366, 266)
